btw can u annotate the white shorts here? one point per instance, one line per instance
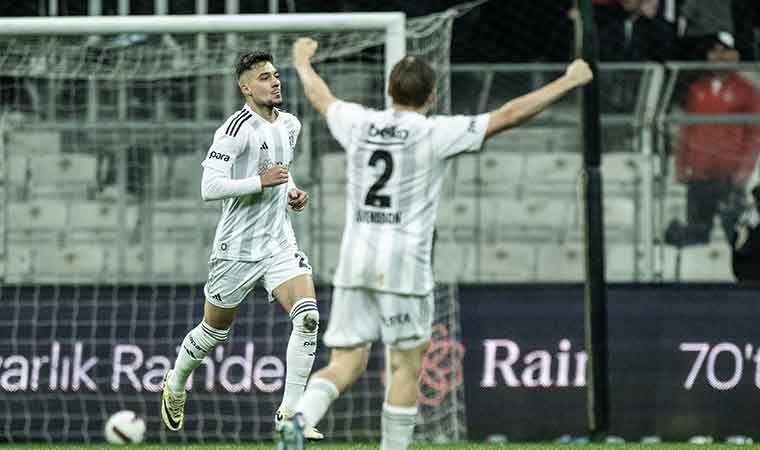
(230, 281)
(360, 316)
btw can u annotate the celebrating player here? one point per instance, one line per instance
(384, 282)
(247, 168)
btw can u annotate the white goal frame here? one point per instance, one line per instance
(393, 24)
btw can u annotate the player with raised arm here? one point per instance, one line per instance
(247, 168)
(396, 161)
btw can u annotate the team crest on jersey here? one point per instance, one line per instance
(264, 165)
(267, 164)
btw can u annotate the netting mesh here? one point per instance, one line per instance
(73, 355)
(106, 238)
(115, 126)
(143, 60)
(709, 166)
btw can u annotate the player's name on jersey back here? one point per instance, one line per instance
(377, 217)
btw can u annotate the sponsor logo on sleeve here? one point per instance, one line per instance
(472, 128)
(216, 155)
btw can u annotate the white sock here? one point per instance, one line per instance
(196, 345)
(316, 400)
(302, 347)
(397, 426)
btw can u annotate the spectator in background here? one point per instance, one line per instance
(631, 30)
(745, 242)
(556, 42)
(715, 160)
(702, 17)
(746, 15)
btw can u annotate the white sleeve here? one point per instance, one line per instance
(224, 151)
(342, 117)
(216, 184)
(456, 134)
(294, 131)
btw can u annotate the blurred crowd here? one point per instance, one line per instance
(499, 31)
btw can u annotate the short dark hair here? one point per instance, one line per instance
(411, 82)
(250, 59)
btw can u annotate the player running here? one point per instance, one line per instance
(247, 168)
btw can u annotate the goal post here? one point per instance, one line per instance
(103, 125)
(392, 23)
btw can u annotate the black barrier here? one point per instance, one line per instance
(70, 356)
(684, 360)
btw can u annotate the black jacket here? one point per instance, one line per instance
(745, 258)
(650, 39)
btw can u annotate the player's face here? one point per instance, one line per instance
(262, 84)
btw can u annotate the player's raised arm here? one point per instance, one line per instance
(314, 86)
(520, 109)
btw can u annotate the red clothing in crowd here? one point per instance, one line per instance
(716, 151)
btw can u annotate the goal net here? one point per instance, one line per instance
(105, 239)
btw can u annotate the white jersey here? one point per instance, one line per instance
(396, 163)
(252, 227)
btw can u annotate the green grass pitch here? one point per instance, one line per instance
(468, 446)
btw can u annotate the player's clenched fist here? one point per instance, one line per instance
(274, 175)
(303, 49)
(297, 199)
(579, 72)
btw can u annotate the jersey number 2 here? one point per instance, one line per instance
(373, 198)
